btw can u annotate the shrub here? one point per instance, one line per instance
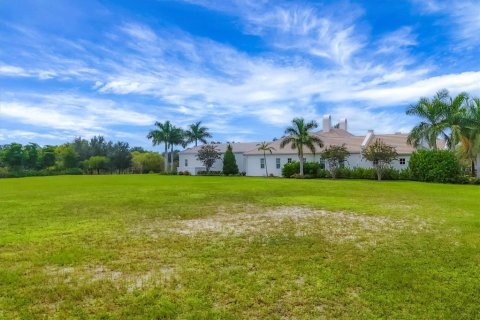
(323, 173)
(435, 166)
(309, 168)
(229, 162)
(210, 173)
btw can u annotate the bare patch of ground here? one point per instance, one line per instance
(129, 281)
(300, 221)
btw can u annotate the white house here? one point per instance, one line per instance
(251, 161)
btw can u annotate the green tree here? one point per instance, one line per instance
(265, 147)
(47, 157)
(208, 154)
(177, 137)
(299, 136)
(66, 157)
(161, 135)
(335, 156)
(31, 156)
(442, 116)
(144, 162)
(120, 156)
(12, 155)
(469, 146)
(381, 154)
(435, 166)
(196, 132)
(96, 163)
(229, 162)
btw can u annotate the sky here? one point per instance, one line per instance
(72, 68)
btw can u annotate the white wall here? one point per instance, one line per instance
(195, 165)
(354, 160)
(476, 166)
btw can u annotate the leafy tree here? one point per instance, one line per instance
(229, 162)
(31, 156)
(96, 163)
(120, 156)
(161, 135)
(299, 136)
(265, 147)
(196, 132)
(381, 155)
(98, 146)
(66, 157)
(335, 156)
(12, 155)
(83, 148)
(208, 154)
(144, 162)
(47, 157)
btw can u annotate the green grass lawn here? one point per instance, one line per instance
(154, 247)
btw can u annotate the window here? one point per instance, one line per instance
(186, 162)
(262, 163)
(322, 163)
(375, 162)
(289, 160)
(402, 161)
(278, 163)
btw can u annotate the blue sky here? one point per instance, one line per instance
(245, 68)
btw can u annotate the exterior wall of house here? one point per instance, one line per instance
(476, 166)
(194, 166)
(253, 163)
(356, 160)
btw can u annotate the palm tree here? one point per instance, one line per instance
(177, 137)
(161, 135)
(299, 136)
(432, 125)
(197, 133)
(441, 116)
(265, 147)
(456, 118)
(469, 146)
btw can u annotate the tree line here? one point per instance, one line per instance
(96, 155)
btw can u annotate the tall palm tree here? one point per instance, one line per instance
(299, 136)
(456, 118)
(265, 147)
(161, 135)
(469, 146)
(442, 116)
(196, 132)
(432, 125)
(177, 137)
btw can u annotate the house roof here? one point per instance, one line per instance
(238, 147)
(333, 137)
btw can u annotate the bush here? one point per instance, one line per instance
(323, 173)
(435, 166)
(210, 173)
(309, 168)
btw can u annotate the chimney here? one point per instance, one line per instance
(327, 123)
(367, 139)
(343, 124)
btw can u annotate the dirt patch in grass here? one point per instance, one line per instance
(297, 221)
(129, 281)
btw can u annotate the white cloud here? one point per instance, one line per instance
(463, 18)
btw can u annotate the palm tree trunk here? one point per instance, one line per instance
(171, 157)
(300, 149)
(165, 160)
(473, 168)
(265, 161)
